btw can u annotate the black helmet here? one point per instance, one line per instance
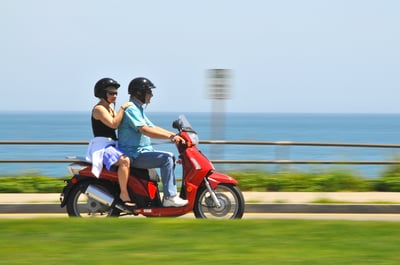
(102, 84)
(139, 86)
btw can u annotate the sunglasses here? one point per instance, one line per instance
(112, 93)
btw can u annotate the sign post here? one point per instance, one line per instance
(219, 90)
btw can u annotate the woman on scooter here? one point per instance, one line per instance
(103, 147)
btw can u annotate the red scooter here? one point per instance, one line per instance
(210, 194)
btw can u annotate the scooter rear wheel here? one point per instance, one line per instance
(80, 205)
(230, 198)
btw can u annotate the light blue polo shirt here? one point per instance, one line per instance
(130, 140)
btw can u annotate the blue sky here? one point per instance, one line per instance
(286, 56)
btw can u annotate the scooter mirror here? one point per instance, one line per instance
(177, 124)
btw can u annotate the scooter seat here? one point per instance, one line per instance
(143, 173)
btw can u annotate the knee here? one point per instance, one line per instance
(124, 161)
(170, 159)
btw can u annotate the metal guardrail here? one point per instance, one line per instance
(223, 142)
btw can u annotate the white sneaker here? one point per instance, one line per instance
(174, 201)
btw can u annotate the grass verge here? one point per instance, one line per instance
(173, 241)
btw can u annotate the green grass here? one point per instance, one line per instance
(181, 241)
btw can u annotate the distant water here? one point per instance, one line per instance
(344, 128)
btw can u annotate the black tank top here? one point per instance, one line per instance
(100, 129)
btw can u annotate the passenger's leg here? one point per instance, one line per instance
(123, 174)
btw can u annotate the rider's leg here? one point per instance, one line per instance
(163, 160)
(166, 162)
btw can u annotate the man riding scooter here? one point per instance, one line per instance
(135, 133)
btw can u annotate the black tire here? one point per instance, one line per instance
(230, 197)
(80, 205)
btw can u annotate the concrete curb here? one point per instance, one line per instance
(250, 208)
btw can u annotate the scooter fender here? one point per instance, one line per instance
(216, 178)
(71, 183)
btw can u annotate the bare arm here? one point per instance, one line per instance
(101, 113)
(160, 133)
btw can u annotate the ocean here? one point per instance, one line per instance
(271, 127)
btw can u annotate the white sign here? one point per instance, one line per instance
(219, 83)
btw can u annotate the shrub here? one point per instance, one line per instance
(324, 181)
(340, 181)
(299, 181)
(390, 180)
(30, 184)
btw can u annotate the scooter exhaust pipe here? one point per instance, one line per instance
(102, 197)
(99, 195)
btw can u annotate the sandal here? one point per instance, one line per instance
(130, 206)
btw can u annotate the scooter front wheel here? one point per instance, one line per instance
(80, 205)
(231, 203)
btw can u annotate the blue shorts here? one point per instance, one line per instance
(111, 156)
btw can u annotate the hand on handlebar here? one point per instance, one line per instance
(177, 139)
